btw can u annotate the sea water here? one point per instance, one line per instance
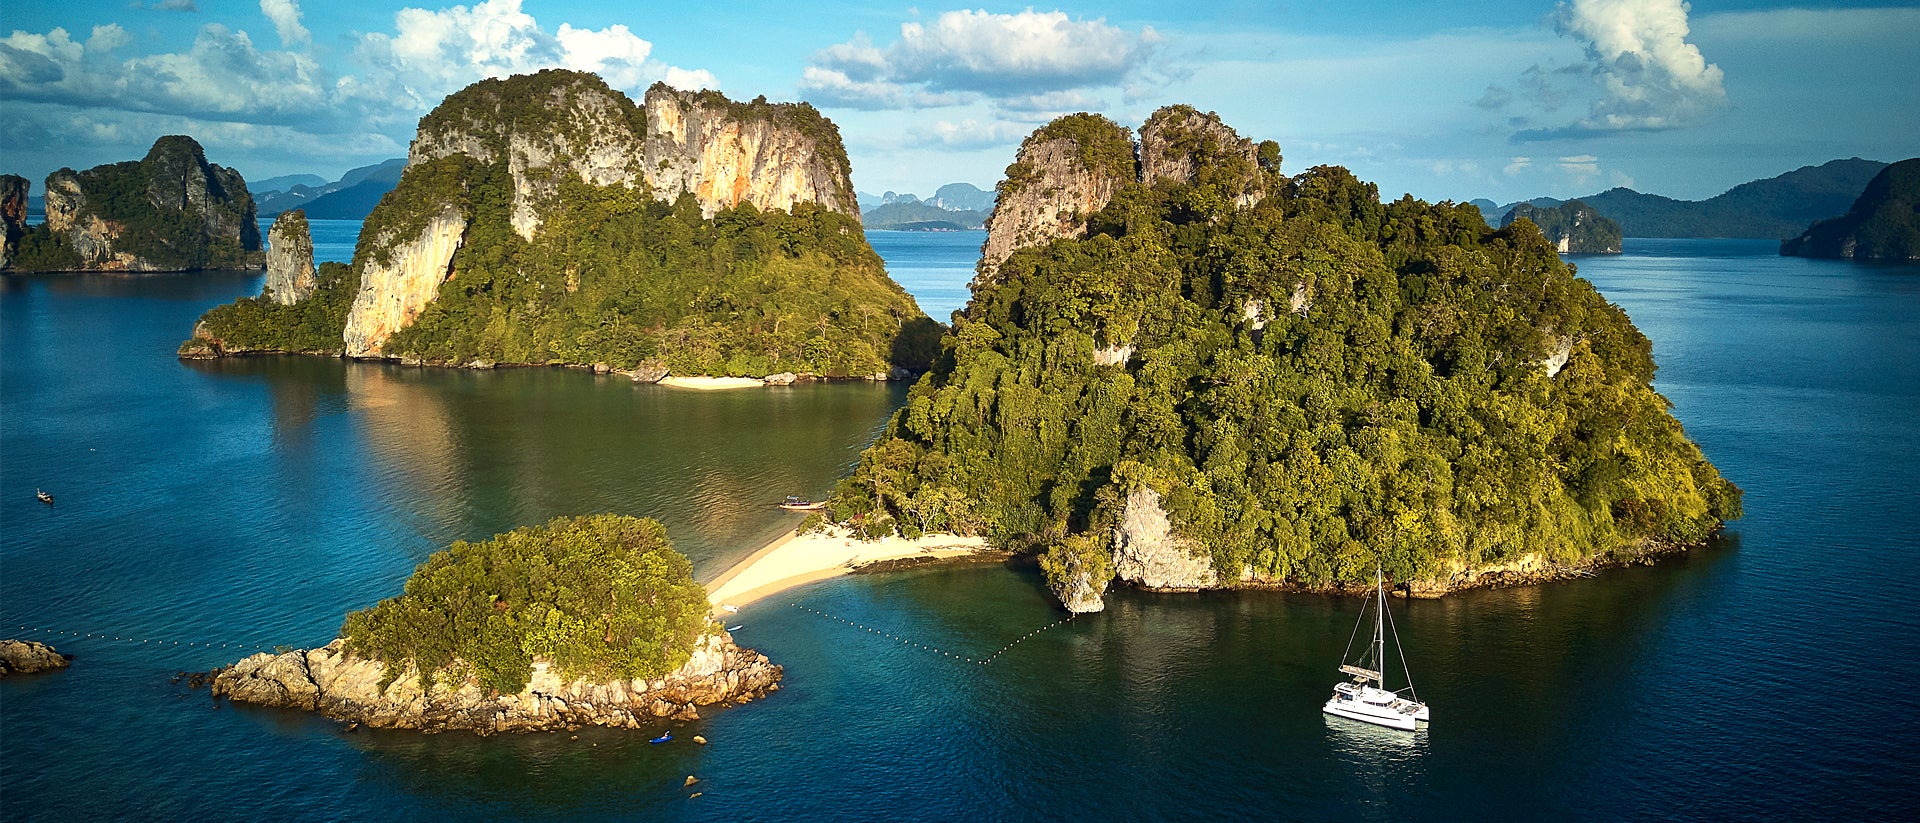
(253, 502)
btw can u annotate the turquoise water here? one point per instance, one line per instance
(253, 502)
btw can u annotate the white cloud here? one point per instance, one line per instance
(967, 135)
(173, 5)
(965, 56)
(1517, 165)
(285, 15)
(1648, 77)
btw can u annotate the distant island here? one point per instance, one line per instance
(1884, 224)
(169, 211)
(547, 219)
(1183, 370)
(1572, 227)
(955, 207)
(582, 621)
(352, 197)
(1773, 208)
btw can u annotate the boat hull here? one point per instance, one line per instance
(1354, 710)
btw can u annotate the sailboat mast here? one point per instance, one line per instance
(1380, 628)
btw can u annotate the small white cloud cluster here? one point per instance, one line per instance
(1026, 62)
(1646, 76)
(225, 84)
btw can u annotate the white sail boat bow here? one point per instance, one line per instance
(1365, 697)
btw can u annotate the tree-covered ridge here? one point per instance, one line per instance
(171, 211)
(616, 277)
(260, 325)
(603, 597)
(1884, 224)
(1573, 227)
(1104, 148)
(1308, 384)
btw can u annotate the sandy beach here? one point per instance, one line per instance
(711, 383)
(797, 559)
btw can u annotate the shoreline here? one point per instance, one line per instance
(795, 559)
(712, 383)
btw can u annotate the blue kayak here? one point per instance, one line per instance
(662, 738)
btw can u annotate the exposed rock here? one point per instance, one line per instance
(1115, 355)
(773, 155)
(1557, 359)
(1062, 174)
(1079, 595)
(337, 684)
(649, 371)
(785, 378)
(171, 211)
(13, 215)
(393, 293)
(27, 657)
(1147, 553)
(1301, 300)
(289, 259)
(1182, 144)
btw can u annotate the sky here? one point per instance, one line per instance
(1501, 99)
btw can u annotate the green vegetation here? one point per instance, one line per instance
(603, 597)
(310, 326)
(616, 277)
(1103, 147)
(1772, 208)
(1405, 411)
(1884, 224)
(1585, 231)
(160, 216)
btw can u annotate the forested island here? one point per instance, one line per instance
(1884, 224)
(1772, 208)
(1184, 370)
(546, 219)
(169, 211)
(582, 621)
(1572, 227)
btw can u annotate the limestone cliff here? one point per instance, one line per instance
(170, 211)
(342, 686)
(1062, 174)
(289, 259)
(13, 215)
(1147, 553)
(773, 155)
(1072, 167)
(394, 290)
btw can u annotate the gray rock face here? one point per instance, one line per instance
(27, 657)
(1167, 152)
(1147, 553)
(1050, 190)
(1079, 595)
(344, 687)
(194, 214)
(289, 259)
(13, 215)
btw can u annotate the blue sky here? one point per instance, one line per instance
(1499, 98)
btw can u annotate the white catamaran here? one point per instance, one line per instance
(1365, 698)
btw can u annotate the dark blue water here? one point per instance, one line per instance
(253, 502)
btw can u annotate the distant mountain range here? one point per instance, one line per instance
(1774, 208)
(352, 197)
(954, 207)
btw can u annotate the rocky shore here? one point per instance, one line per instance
(27, 657)
(345, 687)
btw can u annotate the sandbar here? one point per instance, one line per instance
(796, 559)
(710, 383)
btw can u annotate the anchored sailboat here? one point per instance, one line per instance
(1365, 697)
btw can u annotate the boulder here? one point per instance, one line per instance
(27, 657)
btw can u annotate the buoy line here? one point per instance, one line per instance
(145, 641)
(982, 661)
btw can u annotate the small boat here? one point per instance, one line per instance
(665, 738)
(44, 497)
(736, 628)
(1365, 698)
(730, 609)
(800, 504)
